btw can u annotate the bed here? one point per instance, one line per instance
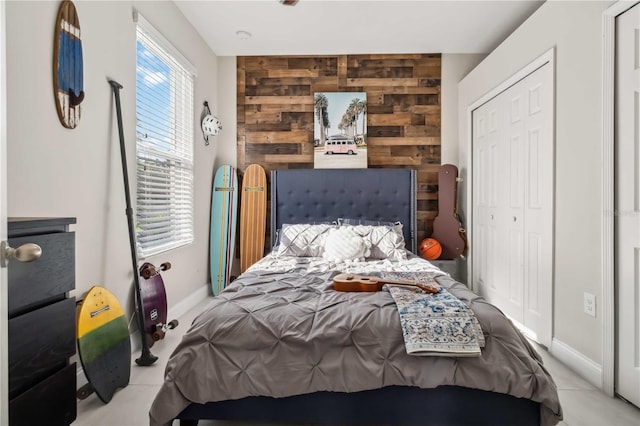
(280, 345)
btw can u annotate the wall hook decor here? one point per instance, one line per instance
(211, 125)
(68, 87)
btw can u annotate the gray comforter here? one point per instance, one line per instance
(274, 333)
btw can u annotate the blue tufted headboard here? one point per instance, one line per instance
(324, 195)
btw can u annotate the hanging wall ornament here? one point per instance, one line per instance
(68, 86)
(211, 125)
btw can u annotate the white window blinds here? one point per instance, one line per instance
(164, 141)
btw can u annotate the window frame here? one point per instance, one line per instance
(176, 161)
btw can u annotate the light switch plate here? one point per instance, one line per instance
(590, 304)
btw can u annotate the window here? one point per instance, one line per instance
(164, 143)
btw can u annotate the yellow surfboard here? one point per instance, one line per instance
(253, 216)
(104, 347)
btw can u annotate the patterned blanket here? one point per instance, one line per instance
(437, 324)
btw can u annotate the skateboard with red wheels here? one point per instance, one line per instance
(153, 299)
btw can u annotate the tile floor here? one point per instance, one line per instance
(582, 403)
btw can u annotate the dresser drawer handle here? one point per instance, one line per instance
(25, 253)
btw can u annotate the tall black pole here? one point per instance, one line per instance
(146, 358)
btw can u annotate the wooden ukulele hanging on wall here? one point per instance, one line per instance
(68, 86)
(447, 228)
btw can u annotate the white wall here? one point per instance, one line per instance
(574, 28)
(227, 143)
(454, 68)
(54, 171)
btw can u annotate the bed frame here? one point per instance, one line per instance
(324, 195)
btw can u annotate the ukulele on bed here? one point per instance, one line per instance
(351, 282)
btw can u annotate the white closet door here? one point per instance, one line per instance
(481, 184)
(538, 203)
(511, 218)
(489, 189)
(513, 201)
(627, 219)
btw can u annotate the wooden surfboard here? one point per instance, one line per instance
(104, 347)
(68, 86)
(253, 216)
(224, 212)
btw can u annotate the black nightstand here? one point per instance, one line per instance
(455, 267)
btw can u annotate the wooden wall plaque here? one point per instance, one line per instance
(68, 86)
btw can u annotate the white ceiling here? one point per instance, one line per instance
(355, 26)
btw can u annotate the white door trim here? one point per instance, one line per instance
(4, 319)
(548, 56)
(608, 240)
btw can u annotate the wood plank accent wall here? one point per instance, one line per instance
(275, 101)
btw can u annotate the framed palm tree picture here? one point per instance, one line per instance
(340, 130)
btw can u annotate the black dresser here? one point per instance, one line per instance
(42, 324)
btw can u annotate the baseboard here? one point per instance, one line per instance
(578, 362)
(176, 311)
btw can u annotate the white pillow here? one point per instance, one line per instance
(396, 226)
(303, 240)
(385, 241)
(350, 221)
(344, 245)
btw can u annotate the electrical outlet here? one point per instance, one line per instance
(590, 304)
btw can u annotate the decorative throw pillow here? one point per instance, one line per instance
(396, 226)
(303, 240)
(385, 242)
(367, 222)
(344, 245)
